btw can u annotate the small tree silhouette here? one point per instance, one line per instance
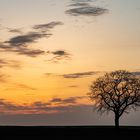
(118, 91)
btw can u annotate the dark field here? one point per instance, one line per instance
(71, 131)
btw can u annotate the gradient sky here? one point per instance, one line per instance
(51, 51)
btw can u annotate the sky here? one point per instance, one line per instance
(51, 51)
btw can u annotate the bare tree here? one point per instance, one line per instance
(118, 91)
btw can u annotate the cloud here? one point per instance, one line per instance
(22, 50)
(19, 86)
(48, 26)
(32, 37)
(79, 75)
(67, 115)
(29, 52)
(2, 63)
(25, 40)
(81, 115)
(137, 73)
(41, 105)
(55, 105)
(9, 108)
(20, 44)
(77, 1)
(73, 86)
(5, 47)
(70, 100)
(10, 63)
(74, 75)
(11, 30)
(79, 4)
(18, 31)
(3, 78)
(59, 55)
(84, 8)
(86, 11)
(50, 74)
(23, 86)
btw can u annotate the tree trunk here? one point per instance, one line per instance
(116, 121)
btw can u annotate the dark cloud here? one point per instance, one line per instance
(70, 100)
(41, 105)
(73, 86)
(59, 55)
(79, 4)
(18, 31)
(86, 11)
(48, 26)
(11, 30)
(32, 37)
(25, 40)
(81, 115)
(7, 107)
(50, 74)
(84, 8)
(77, 1)
(29, 52)
(54, 105)
(79, 75)
(74, 75)
(5, 47)
(20, 44)
(22, 50)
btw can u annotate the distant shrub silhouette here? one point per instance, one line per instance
(118, 91)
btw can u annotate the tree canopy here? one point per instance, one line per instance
(118, 91)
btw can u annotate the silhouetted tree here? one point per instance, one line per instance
(118, 91)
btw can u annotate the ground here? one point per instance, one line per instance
(71, 131)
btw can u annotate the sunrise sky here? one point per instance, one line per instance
(51, 51)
